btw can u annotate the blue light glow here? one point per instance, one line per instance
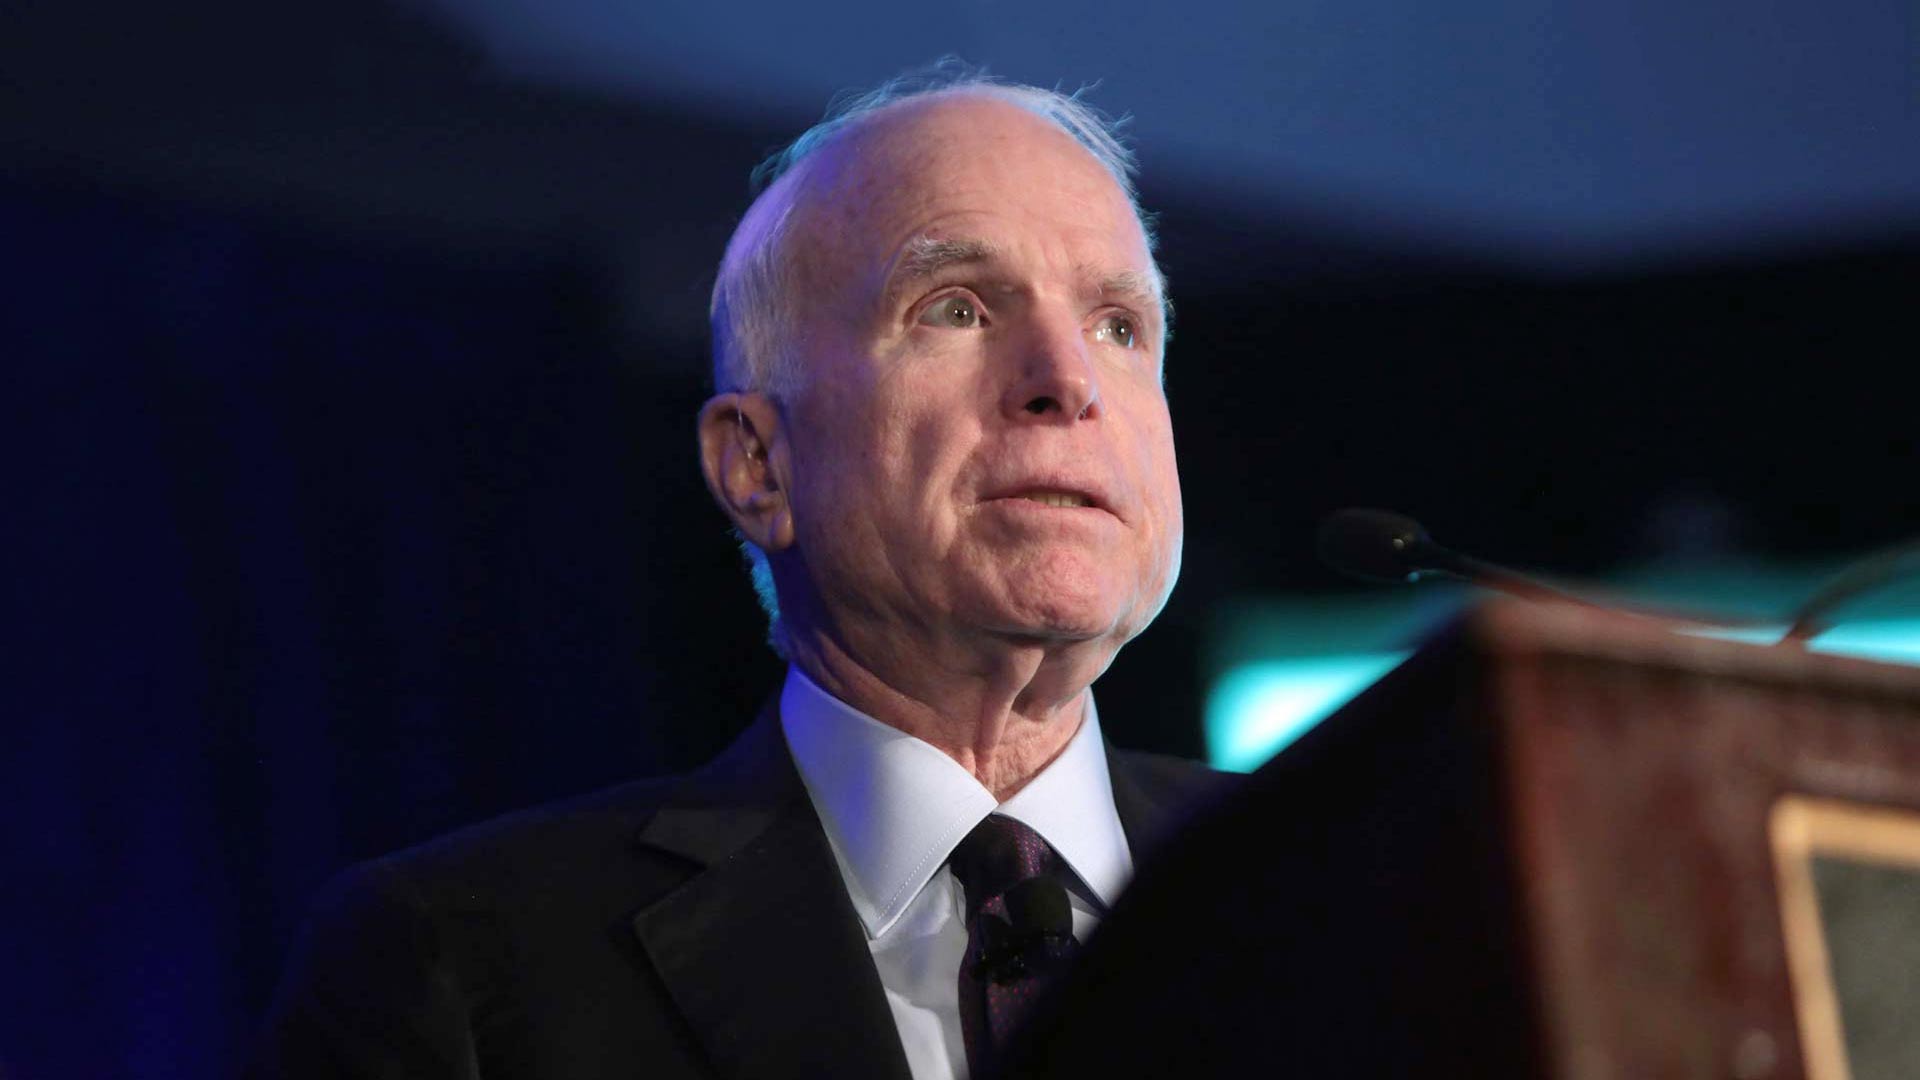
(1890, 641)
(1256, 709)
(1895, 641)
(1283, 665)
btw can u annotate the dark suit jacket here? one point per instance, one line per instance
(687, 927)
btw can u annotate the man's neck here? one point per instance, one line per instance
(1003, 720)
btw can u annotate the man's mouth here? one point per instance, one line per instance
(1056, 498)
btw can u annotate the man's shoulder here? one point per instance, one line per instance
(1172, 779)
(600, 835)
(493, 935)
(579, 825)
(529, 858)
(1157, 794)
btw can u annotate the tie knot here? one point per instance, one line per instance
(997, 855)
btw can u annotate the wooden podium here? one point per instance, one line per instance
(1555, 843)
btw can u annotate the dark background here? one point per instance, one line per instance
(350, 489)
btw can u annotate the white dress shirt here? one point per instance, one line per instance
(894, 807)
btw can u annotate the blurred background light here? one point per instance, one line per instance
(1255, 710)
(1291, 665)
(1482, 123)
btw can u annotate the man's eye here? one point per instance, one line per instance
(952, 312)
(1118, 329)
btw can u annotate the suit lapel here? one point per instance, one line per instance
(1144, 818)
(1139, 815)
(760, 947)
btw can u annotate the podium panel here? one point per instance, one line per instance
(1557, 842)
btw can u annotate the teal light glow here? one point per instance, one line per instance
(1284, 665)
(1256, 709)
(1894, 641)
(1890, 641)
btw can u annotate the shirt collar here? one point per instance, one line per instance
(894, 807)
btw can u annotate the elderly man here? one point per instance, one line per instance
(940, 429)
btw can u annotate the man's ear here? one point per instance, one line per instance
(743, 453)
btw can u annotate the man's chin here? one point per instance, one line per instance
(1061, 619)
(1064, 596)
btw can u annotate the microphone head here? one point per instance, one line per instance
(1377, 545)
(1039, 906)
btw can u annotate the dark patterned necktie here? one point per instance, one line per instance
(1019, 930)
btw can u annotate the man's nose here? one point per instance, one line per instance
(1054, 377)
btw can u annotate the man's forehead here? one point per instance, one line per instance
(925, 257)
(861, 204)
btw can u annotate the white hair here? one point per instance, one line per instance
(752, 312)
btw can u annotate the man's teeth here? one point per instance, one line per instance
(1056, 498)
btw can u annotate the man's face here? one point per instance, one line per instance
(979, 441)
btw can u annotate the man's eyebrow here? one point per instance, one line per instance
(1136, 284)
(925, 256)
(1148, 292)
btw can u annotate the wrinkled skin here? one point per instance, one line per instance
(970, 499)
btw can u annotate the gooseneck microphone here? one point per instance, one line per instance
(1382, 546)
